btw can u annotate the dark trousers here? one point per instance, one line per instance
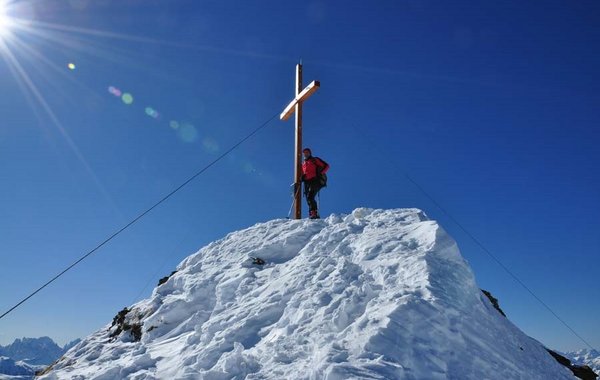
(311, 189)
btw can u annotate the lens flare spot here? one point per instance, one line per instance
(115, 91)
(187, 133)
(210, 145)
(71, 66)
(174, 124)
(152, 112)
(248, 168)
(127, 98)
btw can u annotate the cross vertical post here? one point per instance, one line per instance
(295, 106)
(298, 152)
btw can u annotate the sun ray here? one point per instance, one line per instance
(24, 52)
(42, 102)
(94, 32)
(20, 83)
(31, 89)
(92, 48)
(133, 38)
(5, 20)
(40, 59)
(72, 42)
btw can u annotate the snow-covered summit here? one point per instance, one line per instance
(377, 294)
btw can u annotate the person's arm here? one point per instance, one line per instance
(303, 175)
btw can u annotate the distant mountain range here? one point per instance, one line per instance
(23, 357)
(10, 369)
(587, 357)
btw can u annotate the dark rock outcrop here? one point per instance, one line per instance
(494, 301)
(581, 371)
(166, 278)
(121, 323)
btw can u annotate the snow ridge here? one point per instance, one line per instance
(377, 294)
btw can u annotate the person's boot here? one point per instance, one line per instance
(313, 214)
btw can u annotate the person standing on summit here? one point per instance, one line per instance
(314, 178)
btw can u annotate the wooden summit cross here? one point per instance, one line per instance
(295, 106)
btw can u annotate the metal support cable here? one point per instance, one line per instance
(140, 216)
(471, 236)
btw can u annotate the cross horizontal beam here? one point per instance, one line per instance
(308, 91)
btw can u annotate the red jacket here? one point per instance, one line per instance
(312, 166)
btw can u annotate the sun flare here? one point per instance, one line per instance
(5, 21)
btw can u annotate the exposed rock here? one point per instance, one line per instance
(121, 324)
(166, 278)
(494, 301)
(583, 372)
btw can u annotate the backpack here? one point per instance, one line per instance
(322, 176)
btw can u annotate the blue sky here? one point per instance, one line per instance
(492, 108)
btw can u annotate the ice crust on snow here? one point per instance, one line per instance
(376, 294)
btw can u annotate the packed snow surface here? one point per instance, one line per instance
(377, 294)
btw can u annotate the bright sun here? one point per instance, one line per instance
(4, 20)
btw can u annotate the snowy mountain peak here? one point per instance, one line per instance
(34, 351)
(379, 294)
(10, 368)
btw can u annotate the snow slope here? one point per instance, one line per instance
(377, 294)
